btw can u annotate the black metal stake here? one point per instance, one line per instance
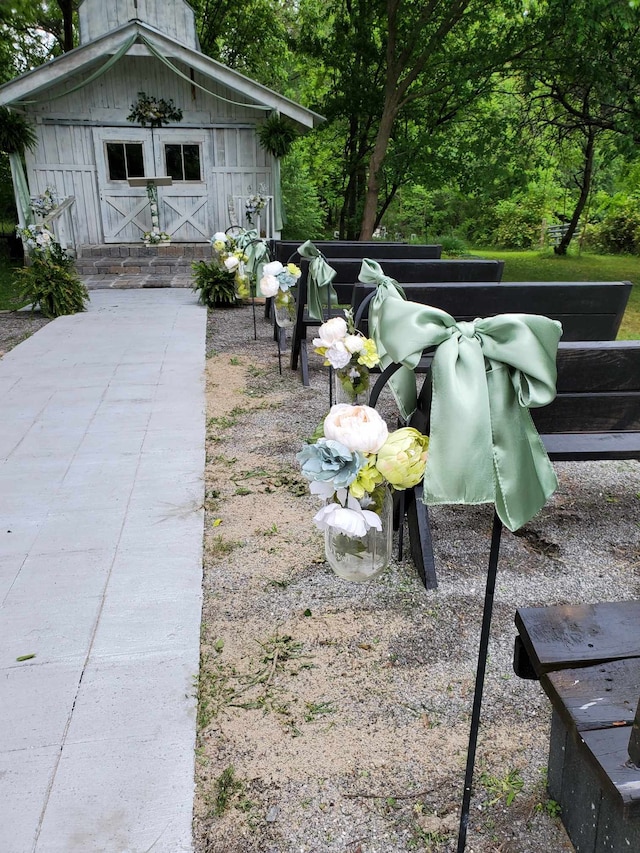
(480, 673)
(253, 305)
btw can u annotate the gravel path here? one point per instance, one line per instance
(15, 326)
(334, 716)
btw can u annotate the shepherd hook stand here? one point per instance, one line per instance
(480, 673)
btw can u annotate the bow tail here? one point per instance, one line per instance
(459, 464)
(524, 475)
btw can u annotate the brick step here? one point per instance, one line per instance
(134, 259)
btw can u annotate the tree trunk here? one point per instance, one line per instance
(66, 7)
(585, 187)
(369, 214)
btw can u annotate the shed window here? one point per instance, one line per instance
(183, 162)
(125, 160)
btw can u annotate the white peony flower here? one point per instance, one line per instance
(272, 268)
(350, 521)
(354, 343)
(231, 262)
(219, 237)
(337, 355)
(269, 285)
(333, 330)
(357, 427)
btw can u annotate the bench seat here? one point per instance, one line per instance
(587, 658)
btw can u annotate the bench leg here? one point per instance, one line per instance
(295, 347)
(420, 537)
(304, 362)
(268, 307)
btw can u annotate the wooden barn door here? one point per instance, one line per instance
(184, 156)
(123, 153)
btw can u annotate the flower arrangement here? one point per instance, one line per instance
(349, 353)
(277, 281)
(153, 238)
(153, 111)
(43, 204)
(232, 259)
(355, 456)
(255, 204)
(37, 238)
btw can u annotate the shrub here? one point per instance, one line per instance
(451, 245)
(619, 231)
(517, 224)
(51, 282)
(217, 287)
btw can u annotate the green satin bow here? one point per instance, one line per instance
(257, 252)
(486, 374)
(403, 382)
(319, 280)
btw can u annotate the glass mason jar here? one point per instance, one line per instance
(363, 558)
(284, 304)
(352, 384)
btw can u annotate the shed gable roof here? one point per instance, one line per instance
(137, 37)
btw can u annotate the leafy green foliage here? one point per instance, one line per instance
(517, 224)
(155, 112)
(619, 230)
(276, 135)
(215, 287)
(51, 282)
(16, 133)
(300, 199)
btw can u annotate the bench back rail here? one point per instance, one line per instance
(588, 310)
(283, 251)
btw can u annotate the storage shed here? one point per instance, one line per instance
(88, 150)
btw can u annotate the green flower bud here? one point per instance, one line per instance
(402, 458)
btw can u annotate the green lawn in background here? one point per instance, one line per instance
(8, 290)
(545, 266)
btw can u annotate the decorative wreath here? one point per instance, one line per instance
(153, 111)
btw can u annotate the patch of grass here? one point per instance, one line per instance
(214, 690)
(313, 710)
(504, 788)
(9, 290)
(229, 788)
(218, 547)
(545, 266)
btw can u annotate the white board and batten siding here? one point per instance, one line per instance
(64, 159)
(72, 156)
(175, 18)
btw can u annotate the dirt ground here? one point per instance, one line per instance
(334, 716)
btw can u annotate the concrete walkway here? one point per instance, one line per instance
(101, 489)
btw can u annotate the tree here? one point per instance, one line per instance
(32, 32)
(439, 55)
(253, 38)
(583, 80)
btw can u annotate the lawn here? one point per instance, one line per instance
(8, 289)
(545, 266)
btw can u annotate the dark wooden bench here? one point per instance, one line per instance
(596, 414)
(588, 310)
(405, 271)
(587, 659)
(283, 251)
